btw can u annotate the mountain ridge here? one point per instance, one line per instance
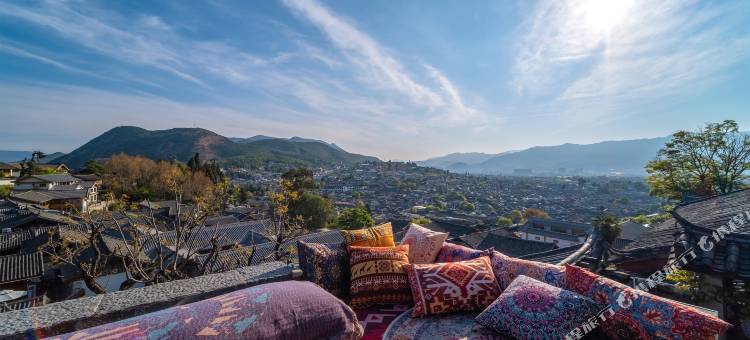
(616, 156)
(183, 143)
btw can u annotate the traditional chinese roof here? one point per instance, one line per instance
(20, 267)
(656, 240)
(554, 256)
(44, 196)
(241, 233)
(511, 246)
(730, 257)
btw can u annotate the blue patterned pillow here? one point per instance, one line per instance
(327, 265)
(531, 309)
(451, 252)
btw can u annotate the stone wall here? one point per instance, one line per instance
(66, 316)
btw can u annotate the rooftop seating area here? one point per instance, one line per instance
(372, 288)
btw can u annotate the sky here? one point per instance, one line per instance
(402, 80)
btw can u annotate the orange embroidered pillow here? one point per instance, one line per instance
(378, 236)
(377, 275)
(452, 286)
(424, 244)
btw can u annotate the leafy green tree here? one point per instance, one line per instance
(609, 226)
(313, 210)
(708, 162)
(467, 206)
(299, 179)
(503, 221)
(516, 215)
(212, 170)
(93, 167)
(194, 163)
(29, 166)
(5, 191)
(354, 218)
(455, 196)
(421, 220)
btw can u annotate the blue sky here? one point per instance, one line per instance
(393, 79)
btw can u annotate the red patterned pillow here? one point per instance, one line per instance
(452, 287)
(424, 244)
(507, 268)
(378, 277)
(647, 316)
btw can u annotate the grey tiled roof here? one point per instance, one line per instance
(657, 239)
(511, 246)
(43, 196)
(552, 256)
(241, 233)
(21, 266)
(57, 178)
(263, 251)
(713, 212)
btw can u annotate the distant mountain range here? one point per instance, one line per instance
(183, 143)
(627, 157)
(292, 139)
(15, 156)
(459, 159)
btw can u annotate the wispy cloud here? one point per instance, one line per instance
(378, 66)
(645, 48)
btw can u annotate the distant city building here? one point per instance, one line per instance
(561, 233)
(522, 172)
(57, 191)
(9, 173)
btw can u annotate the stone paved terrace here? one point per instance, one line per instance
(65, 316)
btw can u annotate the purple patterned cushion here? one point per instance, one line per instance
(507, 268)
(451, 252)
(531, 309)
(327, 265)
(282, 310)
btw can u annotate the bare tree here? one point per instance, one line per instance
(150, 250)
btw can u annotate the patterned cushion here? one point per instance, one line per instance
(325, 264)
(441, 327)
(507, 268)
(378, 276)
(281, 310)
(531, 309)
(452, 287)
(450, 252)
(424, 244)
(378, 236)
(649, 316)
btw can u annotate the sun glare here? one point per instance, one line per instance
(603, 15)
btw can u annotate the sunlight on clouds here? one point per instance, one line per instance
(602, 15)
(601, 49)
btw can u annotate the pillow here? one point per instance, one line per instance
(325, 264)
(648, 316)
(507, 268)
(451, 252)
(452, 287)
(378, 276)
(424, 244)
(281, 310)
(378, 236)
(531, 309)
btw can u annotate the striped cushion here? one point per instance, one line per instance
(378, 276)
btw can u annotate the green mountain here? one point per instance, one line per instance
(182, 143)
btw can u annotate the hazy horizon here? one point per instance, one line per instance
(408, 81)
